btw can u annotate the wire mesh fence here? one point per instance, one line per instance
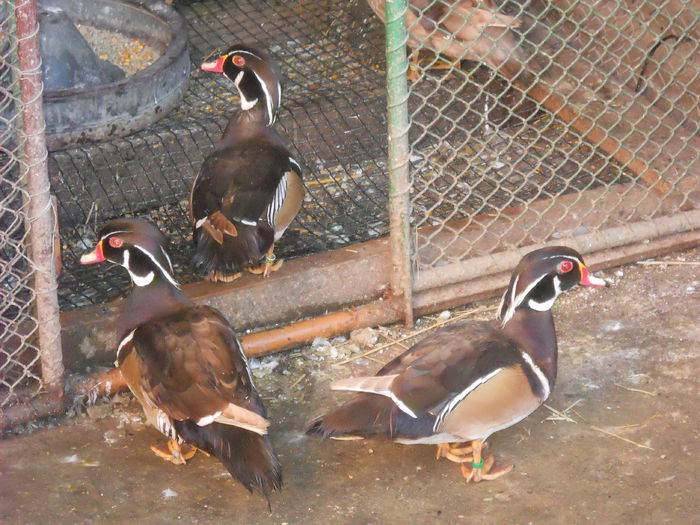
(20, 376)
(538, 121)
(530, 123)
(333, 114)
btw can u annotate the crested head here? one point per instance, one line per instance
(541, 276)
(138, 246)
(255, 76)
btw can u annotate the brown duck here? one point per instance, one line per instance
(184, 363)
(465, 382)
(249, 188)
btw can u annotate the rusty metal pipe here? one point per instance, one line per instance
(295, 334)
(478, 267)
(40, 215)
(38, 408)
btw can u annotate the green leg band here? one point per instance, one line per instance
(479, 464)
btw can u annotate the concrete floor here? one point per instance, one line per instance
(629, 360)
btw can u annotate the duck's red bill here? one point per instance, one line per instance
(587, 279)
(214, 67)
(94, 256)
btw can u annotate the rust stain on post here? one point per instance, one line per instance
(40, 214)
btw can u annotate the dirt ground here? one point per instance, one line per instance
(619, 444)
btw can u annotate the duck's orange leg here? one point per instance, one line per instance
(175, 453)
(454, 453)
(269, 265)
(483, 469)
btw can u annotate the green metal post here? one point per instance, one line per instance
(400, 184)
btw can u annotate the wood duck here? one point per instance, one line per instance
(466, 381)
(184, 363)
(460, 29)
(249, 188)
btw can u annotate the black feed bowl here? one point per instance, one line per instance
(95, 113)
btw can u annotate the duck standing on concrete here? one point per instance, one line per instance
(184, 363)
(464, 382)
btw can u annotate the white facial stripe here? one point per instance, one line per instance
(248, 222)
(268, 99)
(547, 305)
(459, 397)
(144, 280)
(511, 308)
(279, 94)
(538, 372)
(245, 103)
(295, 163)
(516, 301)
(154, 261)
(167, 258)
(244, 52)
(112, 233)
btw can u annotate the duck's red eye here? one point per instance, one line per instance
(238, 60)
(115, 242)
(566, 266)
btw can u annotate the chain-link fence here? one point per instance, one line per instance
(530, 122)
(333, 115)
(538, 121)
(28, 306)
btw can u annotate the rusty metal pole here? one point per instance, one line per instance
(400, 183)
(40, 215)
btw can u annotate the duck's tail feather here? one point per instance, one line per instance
(234, 253)
(246, 455)
(366, 415)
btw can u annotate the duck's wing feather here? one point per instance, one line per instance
(241, 181)
(191, 366)
(443, 366)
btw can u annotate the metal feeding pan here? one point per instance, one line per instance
(95, 110)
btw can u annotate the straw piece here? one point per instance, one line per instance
(654, 393)
(603, 431)
(297, 381)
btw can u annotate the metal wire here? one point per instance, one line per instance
(19, 353)
(538, 122)
(333, 113)
(482, 150)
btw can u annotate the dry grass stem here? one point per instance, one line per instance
(561, 415)
(418, 332)
(637, 426)
(612, 434)
(298, 381)
(654, 393)
(394, 341)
